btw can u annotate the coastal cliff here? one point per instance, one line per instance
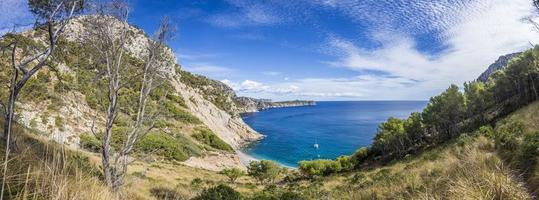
(249, 104)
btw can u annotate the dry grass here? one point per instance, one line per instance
(43, 170)
(469, 171)
(527, 115)
(46, 170)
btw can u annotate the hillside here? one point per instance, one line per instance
(64, 103)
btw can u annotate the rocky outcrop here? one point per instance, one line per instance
(229, 128)
(249, 104)
(499, 64)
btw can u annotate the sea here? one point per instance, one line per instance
(324, 131)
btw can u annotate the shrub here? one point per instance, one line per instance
(507, 136)
(345, 162)
(90, 143)
(233, 174)
(59, 122)
(220, 192)
(167, 146)
(209, 138)
(180, 114)
(163, 193)
(264, 170)
(486, 131)
(197, 182)
(360, 155)
(36, 88)
(289, 195)
(65, 84)
(177, 99)
(319, 167)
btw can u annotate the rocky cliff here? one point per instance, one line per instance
(499, 64)
(248, 104)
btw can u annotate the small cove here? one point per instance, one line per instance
(339, 128)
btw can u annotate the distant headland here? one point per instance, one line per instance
(254, 105)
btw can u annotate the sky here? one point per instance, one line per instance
(334, 49)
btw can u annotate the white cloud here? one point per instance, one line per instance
(249, 13)
(255, 87)
(208, 69)
(476, 34)
(325, 88)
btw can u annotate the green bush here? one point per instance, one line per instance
(360, 155)
(177, 99)
(163, 193)
(264, 170)
(36, 88)
(167, 146)
(319, 167)
(180, 114)
(486, 131)
(90, 143)
(65, 84)
(59, 122)
(233, 174)
(220, 192)
(345, 162)
(507, 136)
(209, 138)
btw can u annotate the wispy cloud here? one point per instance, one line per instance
(325, 88)
(248, 13)
(475, 33)
(250, 87)
(195, 56)
(205, 68)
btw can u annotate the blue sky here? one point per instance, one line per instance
(335, 49)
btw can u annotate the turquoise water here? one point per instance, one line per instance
(338, 127)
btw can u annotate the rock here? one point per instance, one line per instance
(249, 104)
(499, 64)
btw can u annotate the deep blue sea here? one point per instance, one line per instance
(338, 127)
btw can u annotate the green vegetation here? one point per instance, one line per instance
(214, 91)
(181, 114)
(319, 167)
(264, 171)
(165, 193)
(171, 148)
(207, 137)
(453, 112)
(233, 174)
(59, 123)
(220, 192)
(90, 143)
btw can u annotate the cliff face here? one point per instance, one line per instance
(499, 64)
(249, 104)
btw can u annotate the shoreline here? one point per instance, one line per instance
(245, 159)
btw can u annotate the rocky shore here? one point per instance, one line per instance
(254, 105)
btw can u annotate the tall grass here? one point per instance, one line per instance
(45, 170)
(468, 168)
